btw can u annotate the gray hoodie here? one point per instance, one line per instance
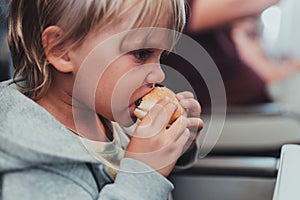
(41, 159)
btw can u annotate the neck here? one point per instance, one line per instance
(77, 118)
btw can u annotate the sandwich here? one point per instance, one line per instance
(149, 100)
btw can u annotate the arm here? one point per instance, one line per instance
(135, 181)
(251, 52)
(207, 14)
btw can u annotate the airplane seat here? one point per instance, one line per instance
(243, 164)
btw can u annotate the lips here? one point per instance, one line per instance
(134, 106)
(137, 102)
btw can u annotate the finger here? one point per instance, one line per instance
(184, 95)
(160, 115)
(177, 128)
(195, 124)
(192, 106)
(181, 142)
(166, 113)
(154, 112)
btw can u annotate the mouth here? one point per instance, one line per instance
(131, 112)
(138, 102)
(133, 106)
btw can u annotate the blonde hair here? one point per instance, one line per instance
(29, 18)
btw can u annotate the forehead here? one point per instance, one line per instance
(150, 27)
(148, 37)
(153, 31)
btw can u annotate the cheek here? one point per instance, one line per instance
(122, 82)
(112, 102)
(103, 100)
(116, 86)
(126, 86)
(112, 93)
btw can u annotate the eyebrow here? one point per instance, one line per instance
(148, 40)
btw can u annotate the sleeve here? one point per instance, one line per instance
(39, 184)
(283, 91)
(137, 181)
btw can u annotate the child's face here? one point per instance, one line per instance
(113, 72)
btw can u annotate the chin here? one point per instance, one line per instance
(126, 120)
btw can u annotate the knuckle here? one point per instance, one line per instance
(187, 133)
(190, 94)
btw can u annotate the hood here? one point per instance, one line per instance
(29, 135)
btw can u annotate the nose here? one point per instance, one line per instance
(156, 75)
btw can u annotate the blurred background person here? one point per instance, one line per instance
(214, 25)
(281, 73)
(281, 38)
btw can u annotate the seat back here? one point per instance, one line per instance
(287, 182)
(1, 186)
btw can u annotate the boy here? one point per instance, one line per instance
(74, 80)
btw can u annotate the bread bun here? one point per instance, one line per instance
(150, 99)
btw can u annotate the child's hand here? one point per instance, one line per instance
(193, 109)
(158, 146)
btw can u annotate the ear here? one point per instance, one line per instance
(56, 55)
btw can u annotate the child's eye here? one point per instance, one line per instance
(142, 55)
